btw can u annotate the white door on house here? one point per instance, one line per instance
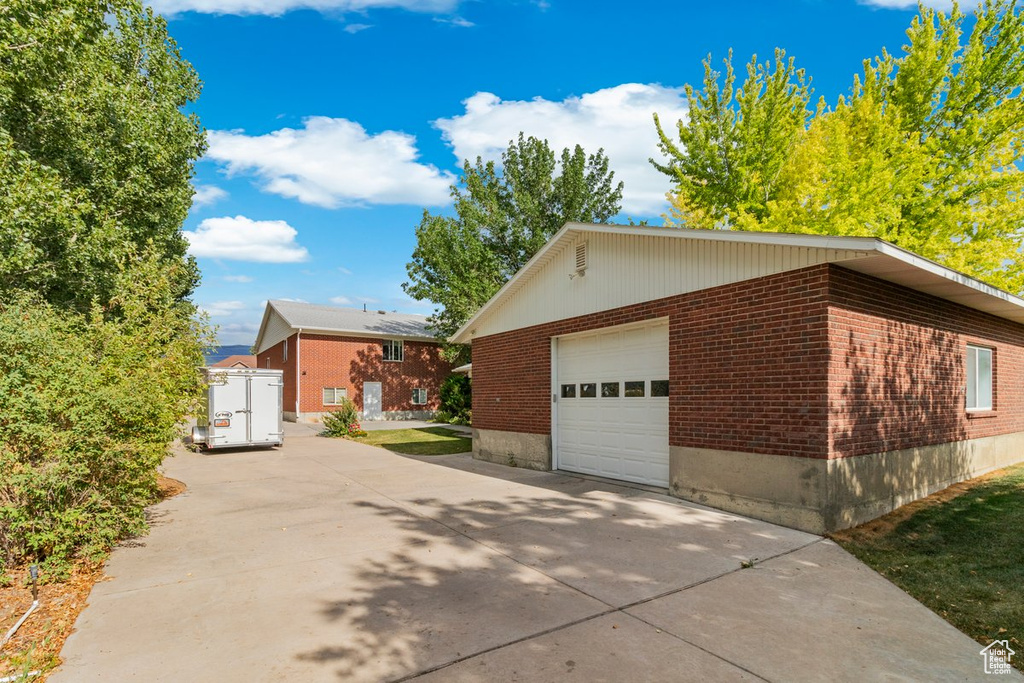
(371, 401)
(611, 404)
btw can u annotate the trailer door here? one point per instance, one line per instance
(265, 409)
(229, 407)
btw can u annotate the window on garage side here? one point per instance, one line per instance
(393, 350)
(568, 391)
(659, 387)
(609, 389)
(333, 396)
(588, 390)
(979, 378)
(419, 397)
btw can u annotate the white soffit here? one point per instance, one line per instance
(876, 258)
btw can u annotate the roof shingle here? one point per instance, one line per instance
(334, 319)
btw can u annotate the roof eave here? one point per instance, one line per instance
(464, 334)
(368, 334)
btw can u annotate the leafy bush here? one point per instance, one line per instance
(343, 420)
(456, 398)
(88, 406)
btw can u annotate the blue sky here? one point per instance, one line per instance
(334, 123)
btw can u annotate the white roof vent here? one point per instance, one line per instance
(581, 258)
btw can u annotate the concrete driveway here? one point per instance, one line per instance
(327, 560)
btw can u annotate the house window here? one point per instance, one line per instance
(284, 353)
(393, 350)
(659, 387)
(588, 390)
(333, 396)
(419, 397)
(568, 391)
(979, 378)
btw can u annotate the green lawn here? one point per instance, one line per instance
(962, 557)
(425, 441)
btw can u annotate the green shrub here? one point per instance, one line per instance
(88, 406)
(342, 421)
(456, 398)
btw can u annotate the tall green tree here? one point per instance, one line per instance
(925, 152)
(734, 143)
(96, 156)
(503, 215)
(96, 152)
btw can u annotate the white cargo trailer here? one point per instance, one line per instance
(241, 407)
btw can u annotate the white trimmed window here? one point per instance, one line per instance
(979, 378)
(393, 350)
(333, 396)
(419, 397)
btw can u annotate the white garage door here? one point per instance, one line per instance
(612, 403)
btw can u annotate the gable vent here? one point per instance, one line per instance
(581, 258)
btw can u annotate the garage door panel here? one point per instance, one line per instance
(614, 435)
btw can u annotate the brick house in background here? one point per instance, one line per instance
(237, 361)
(388, 364)
(813, 381)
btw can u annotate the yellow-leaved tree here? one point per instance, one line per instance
(925, 152)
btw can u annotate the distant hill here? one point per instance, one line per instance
(219, 353)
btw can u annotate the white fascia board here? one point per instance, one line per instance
(777, 238)
(928, 266)
(263, 328)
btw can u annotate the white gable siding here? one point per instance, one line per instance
(276, 331)
(624, 269)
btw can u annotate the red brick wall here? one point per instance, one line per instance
(747, 365)
(897, 371)
(818, 362)
(274, 358)
(332, 361)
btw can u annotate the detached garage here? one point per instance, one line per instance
(817, 382)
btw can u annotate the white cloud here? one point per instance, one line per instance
(279, 7)
(341, 300)
(942, 5)
(344, 271)
(204, 195)
(455, 21)
(356, 28)
(617, 119)
(220, 309)
(243, 239)
(333, 162)
(237, 278)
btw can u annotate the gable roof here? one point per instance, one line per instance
(712, 255)
(282, 318)
(245, 361)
